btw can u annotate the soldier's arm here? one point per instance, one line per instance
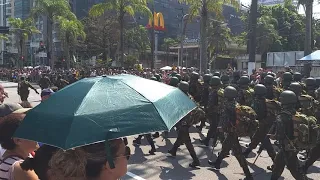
(30, 86)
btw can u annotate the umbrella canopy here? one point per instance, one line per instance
(315, 56)
(102, 108)
(167, 68)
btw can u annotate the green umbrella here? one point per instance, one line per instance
(102, 108)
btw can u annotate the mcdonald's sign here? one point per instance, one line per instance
(158, 22)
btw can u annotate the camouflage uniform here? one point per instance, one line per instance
(195, 87)
(212, 110)
(266, 112)
(183, 132)
(23, 89)
(287, 156)
(231, 141)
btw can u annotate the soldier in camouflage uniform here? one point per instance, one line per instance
(235, 79)
(266, 118)
(225, 81)
(231, 141)
(245, 93)
(205, 96)
(311, 86)
(286, 80)
(313, 157)
(212, 110)
(23, 89)
(183, 132)
(287, 156)
(273, 92)
(195, 87)
(174, 81)
(297, 77)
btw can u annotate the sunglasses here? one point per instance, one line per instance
(127, 153)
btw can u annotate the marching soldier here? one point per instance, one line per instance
(273, 92)
(44, 82)
(23, 89)
(225, 81)
(286, 80)
(183, 132)
(265, 116)
(287, 156)
(205, 96)
(245, 93)
(212, 110)
(195, 87)
(61, 83)
(311, 86)
(313, 157)
(231, 141)
(174, 81)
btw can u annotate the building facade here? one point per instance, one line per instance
(22, 8)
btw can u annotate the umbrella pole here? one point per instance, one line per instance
(109, 155)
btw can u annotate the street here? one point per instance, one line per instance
(162, 166)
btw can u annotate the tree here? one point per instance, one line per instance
(22, 30)
(52, 10)
(167, 43)
(70, 32)
(219, 37)
(203, 8)
(308, 8)
(137, 39)
(102, 37)
(121, 7)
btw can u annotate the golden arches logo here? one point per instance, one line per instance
(158, 22)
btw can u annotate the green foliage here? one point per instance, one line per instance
(168, 42)
(130, 61)
(22, 30)
(53, 9)
(137, 38)
(279, 28)
(219, 37)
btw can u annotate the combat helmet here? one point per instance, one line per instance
(288, 97)
(215, 81)
(244, 80)
(184, 86)
(207, 78)
(194, 76)
(178, 76)
(225, 79)
(269, 80)
(174, 81)
(311, 81)
(287, 76)
(217, 74)
(154, 78)
(260, 90)
(157, 76)
(297, 76)
(230, 92)
(296, 88)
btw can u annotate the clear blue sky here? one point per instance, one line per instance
(316, 8)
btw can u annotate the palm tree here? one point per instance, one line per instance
(51, 9)
(22, 30)
(167, 43)
(219, 37)
(203, 8)
(121, 7)
(70, 31)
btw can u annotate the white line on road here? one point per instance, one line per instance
(134, 176)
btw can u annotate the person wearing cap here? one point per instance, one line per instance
(16, 149)
(46, 93)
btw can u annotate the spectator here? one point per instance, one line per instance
(16, 149)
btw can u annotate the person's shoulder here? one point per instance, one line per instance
(19, 173)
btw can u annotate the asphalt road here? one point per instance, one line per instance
(162, 166)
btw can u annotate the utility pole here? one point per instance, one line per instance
(252, 36)
(152, 37)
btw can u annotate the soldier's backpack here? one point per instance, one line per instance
(195, 116)
(246, 123)
(248, 96)
(273, 108)
(306, 131)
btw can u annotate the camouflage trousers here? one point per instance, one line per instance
(261, 136)
(289, 159)
(213, 132)
(184, 138)
(231, 143)
(24, 96)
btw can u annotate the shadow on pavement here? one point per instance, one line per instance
(137, 157)
(178, 172)
(217, 172)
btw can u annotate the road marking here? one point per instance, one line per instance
(134, 176)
